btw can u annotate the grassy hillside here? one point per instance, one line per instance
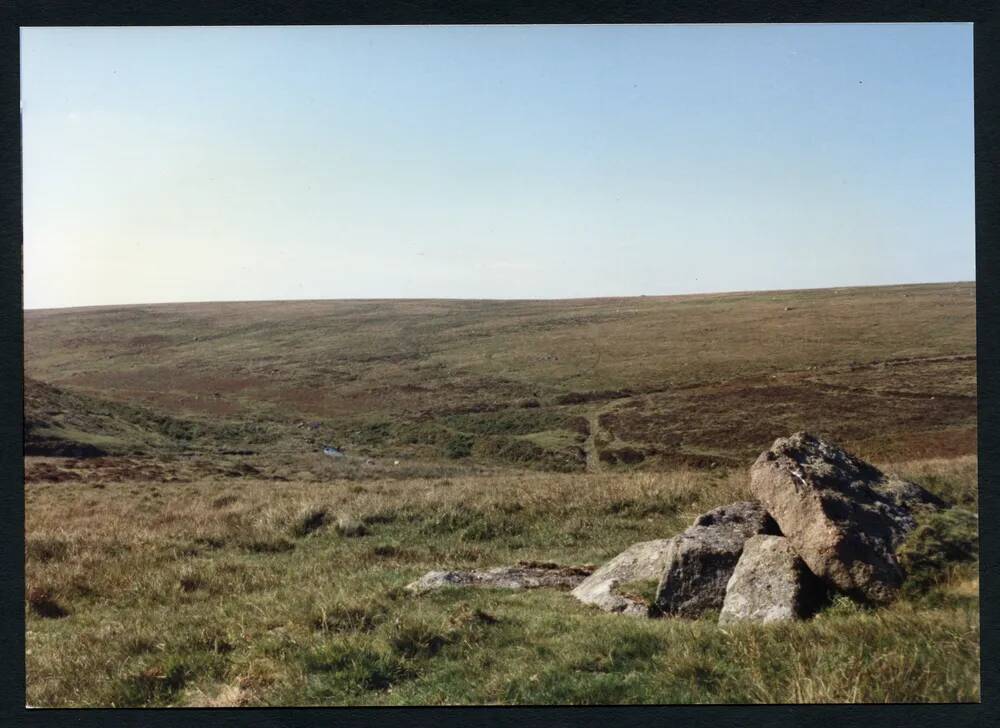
(559, 385)
(187, 542)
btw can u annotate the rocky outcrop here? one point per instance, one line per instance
(639, 562)
(822, 521)
(700, 561)
(521, 576)
(843, 516)
(770, 583)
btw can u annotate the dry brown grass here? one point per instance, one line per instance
(338, 358)
(666, 382)
(218, 558)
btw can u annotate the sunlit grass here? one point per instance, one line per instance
(264, 593)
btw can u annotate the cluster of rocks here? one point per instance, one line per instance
(822, 521)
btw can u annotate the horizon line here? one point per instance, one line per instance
(25, 309)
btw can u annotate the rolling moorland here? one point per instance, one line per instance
(188, 543)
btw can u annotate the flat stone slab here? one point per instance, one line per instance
(640, 561)
(525, 575)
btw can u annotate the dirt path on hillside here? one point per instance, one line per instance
(590, 444)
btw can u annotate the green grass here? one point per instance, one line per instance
(940, 540)
(184, 599)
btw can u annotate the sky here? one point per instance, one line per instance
(274, 163)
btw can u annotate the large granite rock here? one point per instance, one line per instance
(771, 583)
(639, 562)
(843, 516)
(700, 561)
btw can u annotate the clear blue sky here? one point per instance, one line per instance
(195, 164)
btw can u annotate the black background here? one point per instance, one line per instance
(14, 15)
